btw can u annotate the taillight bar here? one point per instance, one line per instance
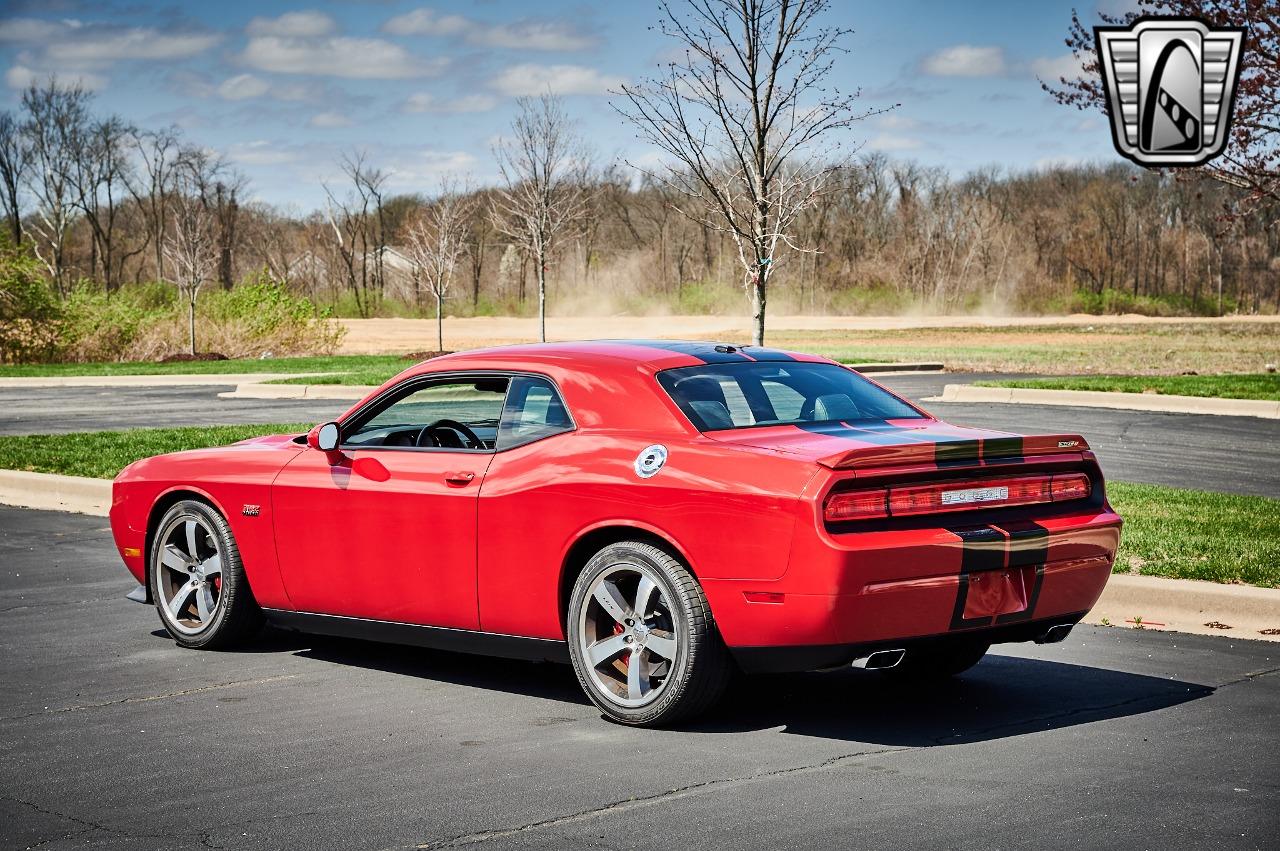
(938, 497)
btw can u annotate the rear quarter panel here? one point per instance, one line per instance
(730, 512)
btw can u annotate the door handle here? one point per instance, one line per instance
(460, 478)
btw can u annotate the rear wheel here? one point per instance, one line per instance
(197, 580)
(641, 637)
(941, 661)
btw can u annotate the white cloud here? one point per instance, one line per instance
(531, 35)
(262, 152)
(32, 29)
(427, 102)
(895, 142)
(425, 22)
(243, 86)
(530, 79)
(329, 119)
(518, 35)
(99, 46)
(965, 60)
(357, 58)
(20, 76)
(1051, 69)
(308, 23)
(414, 171)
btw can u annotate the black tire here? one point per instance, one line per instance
(235, 616)
(940, 661)
(702, 668)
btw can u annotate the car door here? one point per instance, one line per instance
(384, 527)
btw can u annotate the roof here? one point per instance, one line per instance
(652, 355)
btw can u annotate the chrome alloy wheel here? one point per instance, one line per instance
(627, 636)
(188, 578)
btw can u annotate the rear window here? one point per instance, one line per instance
(743, 395)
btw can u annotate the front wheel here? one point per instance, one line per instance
(641, 637)
(197, 580)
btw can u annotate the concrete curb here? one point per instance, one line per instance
(146, 380)
(1184, 605)
(1178, 605)
(1095, 399)
(883, 368)
(260, 389)
(46, 491)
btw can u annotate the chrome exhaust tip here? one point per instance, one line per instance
(879, 660)
(1055, 633)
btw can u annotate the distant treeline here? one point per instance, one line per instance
(91, 196)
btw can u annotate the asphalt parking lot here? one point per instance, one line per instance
(1229, 454)
(114, 738)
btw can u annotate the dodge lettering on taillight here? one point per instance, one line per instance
(962, 497)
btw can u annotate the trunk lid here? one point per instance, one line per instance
(906, 443)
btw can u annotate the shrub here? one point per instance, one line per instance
(29, 310)
(146, 322)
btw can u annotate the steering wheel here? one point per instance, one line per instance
(429, 436)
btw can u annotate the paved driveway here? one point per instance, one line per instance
(111, 737)
(1231, 454)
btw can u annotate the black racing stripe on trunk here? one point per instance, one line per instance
(1002, 450)
(983, 549)
(705, 352)
(1028, 547)
(839, 429)
(956, 453)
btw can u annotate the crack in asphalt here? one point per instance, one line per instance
(150, 697)
(649, 800)
(715, 785)
(88, 826)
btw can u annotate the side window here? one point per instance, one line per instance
(533, 411)
(445, 414)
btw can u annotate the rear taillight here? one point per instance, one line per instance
(937, 497)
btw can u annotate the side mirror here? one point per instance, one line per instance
(324, 437)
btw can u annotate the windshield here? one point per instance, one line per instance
(743, 395)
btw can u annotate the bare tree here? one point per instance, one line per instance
(15, 156)
(746, 119)
(157, 154)
(541, 201)
(358, 224)
(436, 240)
(102, 173)
(56, 117)
(190, 248)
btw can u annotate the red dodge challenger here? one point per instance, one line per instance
(660, 513)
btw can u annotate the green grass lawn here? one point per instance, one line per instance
(1186, 534)
(385, 364)
(1190, 534)
(1241, 386)
(103, 454)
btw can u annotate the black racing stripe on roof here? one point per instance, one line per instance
(705, 352)
(761, 353)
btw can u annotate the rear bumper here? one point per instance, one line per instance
(845, 593)
(764, 660)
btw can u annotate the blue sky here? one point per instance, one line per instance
(282, 88)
